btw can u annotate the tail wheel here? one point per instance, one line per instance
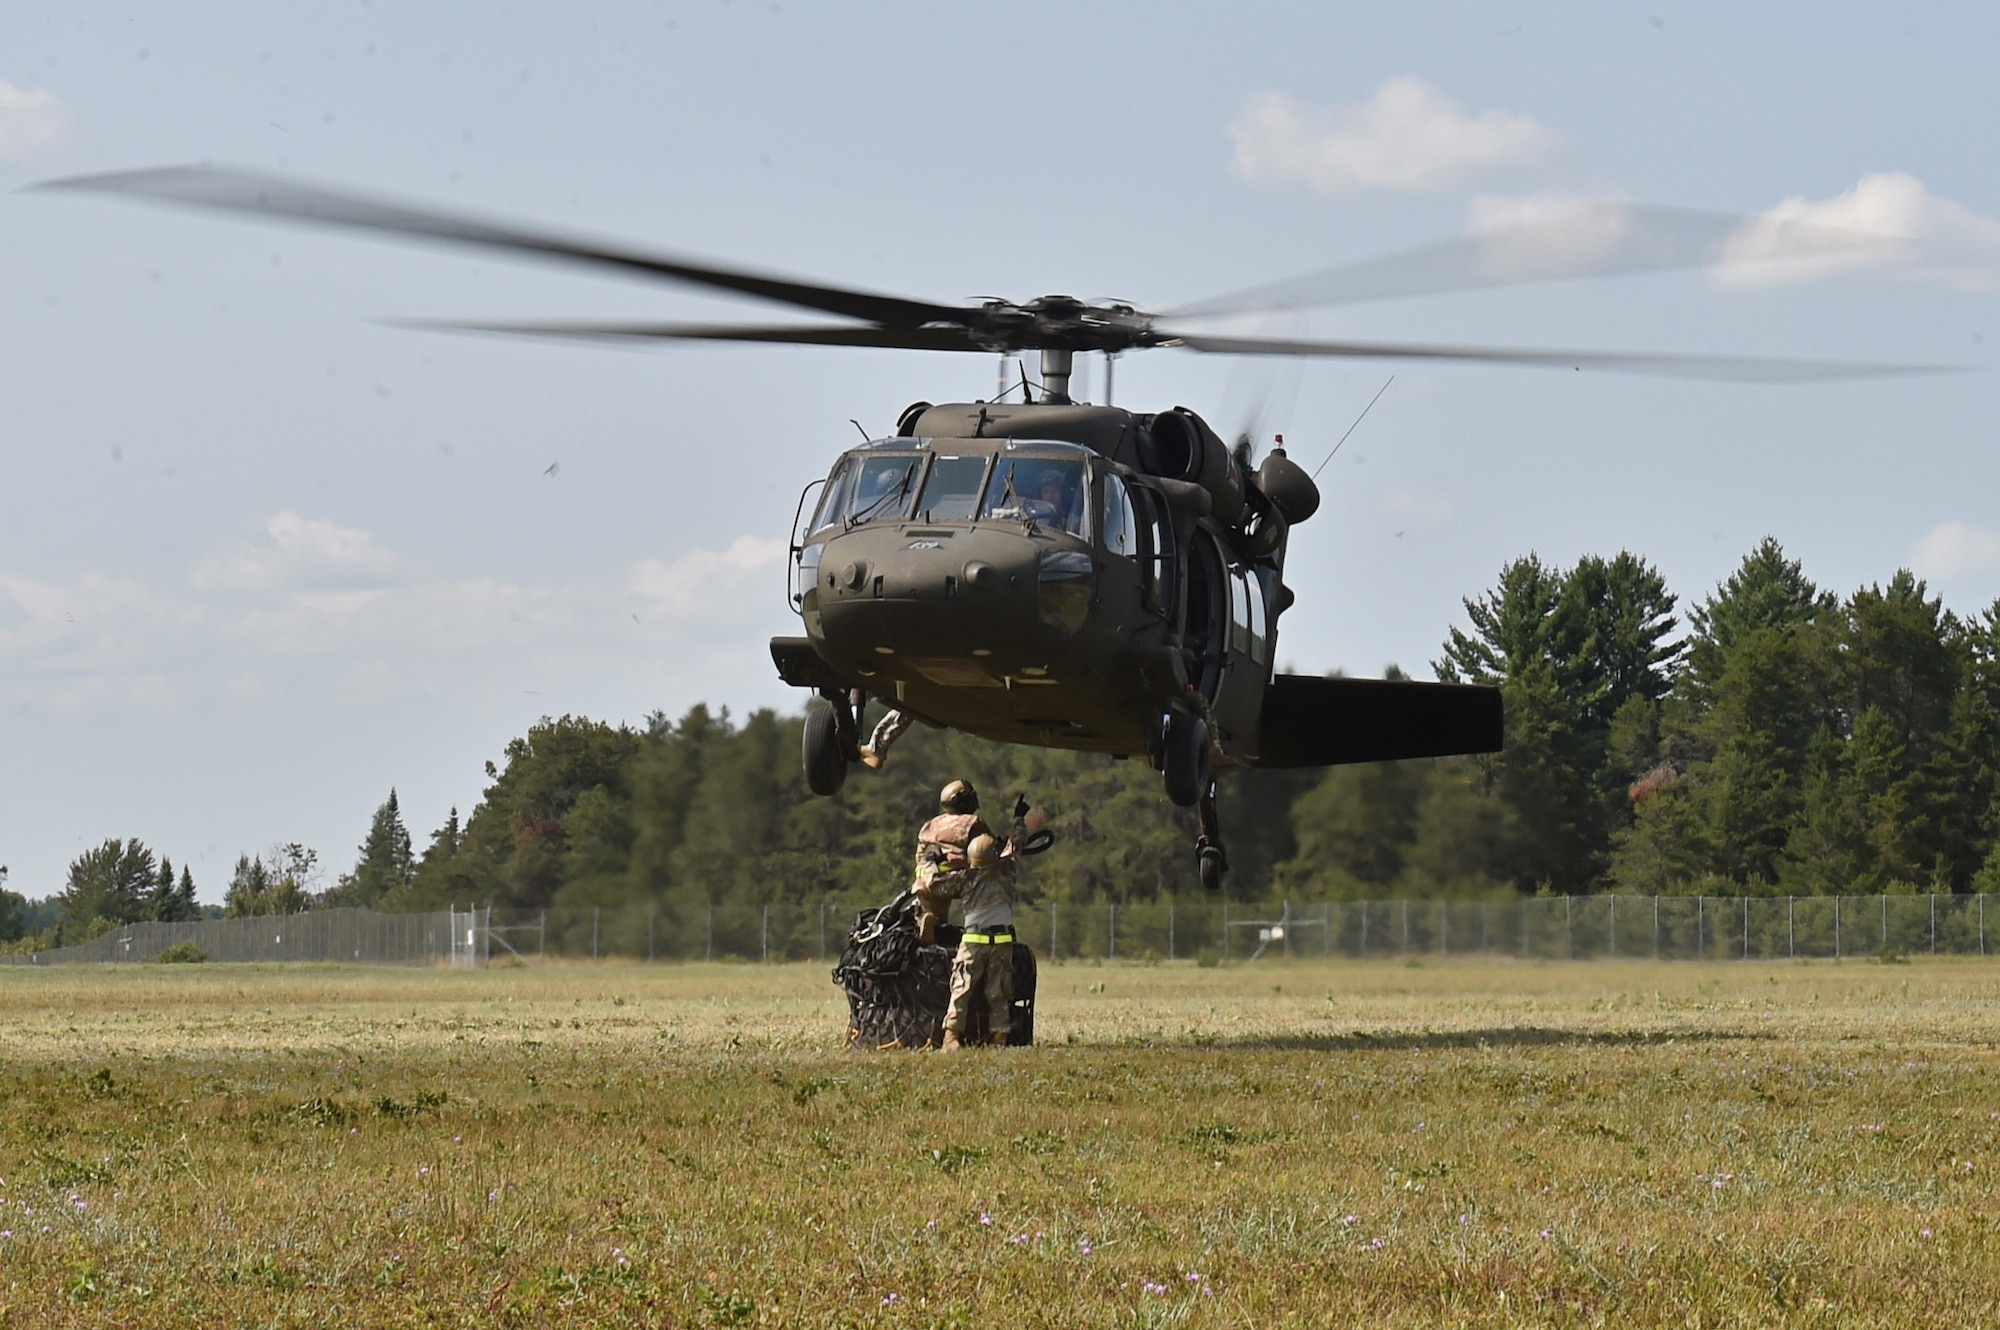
(1187, 758)
(825, 755)
(1213, 866)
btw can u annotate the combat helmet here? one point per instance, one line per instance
(959, 797)
(984, 852)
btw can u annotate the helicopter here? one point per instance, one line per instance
(1079, 575)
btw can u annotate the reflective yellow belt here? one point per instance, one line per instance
(987, 939)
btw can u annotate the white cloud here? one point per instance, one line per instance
(92, 620)
(1956, 548)
(323, 605)
(1922, 235)
(704, 583)
(1408, 137)
(298, 547)
(28, 120)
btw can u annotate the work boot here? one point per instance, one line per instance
(870, 758)
(951, 1043)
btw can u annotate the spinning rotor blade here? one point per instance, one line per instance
(937, 338)
(1727, 369)
(1558, 242)
(226, 189)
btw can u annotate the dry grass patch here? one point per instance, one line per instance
(1489, 1144)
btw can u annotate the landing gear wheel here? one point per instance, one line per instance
(825, 755)
(1213, 866)
(1186, 758)
(1209, 856)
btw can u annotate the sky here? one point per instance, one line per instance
(264, 557)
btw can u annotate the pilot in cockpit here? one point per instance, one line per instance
(1051, 502)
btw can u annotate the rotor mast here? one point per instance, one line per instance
(1056, 363)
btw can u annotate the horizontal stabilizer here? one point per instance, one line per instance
(1314, 722)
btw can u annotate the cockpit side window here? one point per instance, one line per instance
(865, 488)
(951, 493)
(1120, 527)
(1049, 492)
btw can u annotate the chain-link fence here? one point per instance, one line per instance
(1170, 929)
(1184, 928)
(443, 937)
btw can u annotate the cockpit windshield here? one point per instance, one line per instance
(868, 487)
(1048, 491)
(951, 492)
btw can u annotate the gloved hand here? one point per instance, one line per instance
(1020, 807)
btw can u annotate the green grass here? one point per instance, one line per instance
(1620, 1143)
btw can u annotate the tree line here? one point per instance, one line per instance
(1779, 739)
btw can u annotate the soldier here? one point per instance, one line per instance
(983, 970)
(942, 854)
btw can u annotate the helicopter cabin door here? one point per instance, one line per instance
(1227, 633)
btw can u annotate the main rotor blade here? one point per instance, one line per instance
(227, 189)
(1726, 369)
(1557, 242)
(939, 338)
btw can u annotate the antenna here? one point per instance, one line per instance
(1356, 425)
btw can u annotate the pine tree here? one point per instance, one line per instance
(185, 907)
(110, 882)
(386, 864)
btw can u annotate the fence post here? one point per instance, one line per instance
(709, 953)
(652, 910)
(1285, 928)
(596, 915)
(1656, 926)
(1569, 934)
(1111, 930)
(1225, 930)
(1836, 926)
(1746, 927)
(1444, 928)
(1364, 930)
(542, 948)
(822, 930)
(1326, 928)
(1611, 929)
(1170, 928)
(1054, 931)
(1700, 908)
(765, 939)
(1882, 937)
(1485, 926)
(1523, 953)
(1791, 944)
(1933, 923)
(1406, 925)
(1982, 923)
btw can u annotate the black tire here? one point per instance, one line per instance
(1212, 867)
(826, 763)
(1187, 759)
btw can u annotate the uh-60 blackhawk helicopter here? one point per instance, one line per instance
(1051, 572)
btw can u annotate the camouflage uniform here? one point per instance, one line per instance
(984, 966)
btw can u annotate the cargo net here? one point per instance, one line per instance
(898, 988)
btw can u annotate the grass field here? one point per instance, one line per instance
(1614, 1143)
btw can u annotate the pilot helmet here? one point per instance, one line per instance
(984, 852)
(959, 797)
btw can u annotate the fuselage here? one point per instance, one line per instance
(1032, 590)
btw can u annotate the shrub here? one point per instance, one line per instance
(181, 953)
